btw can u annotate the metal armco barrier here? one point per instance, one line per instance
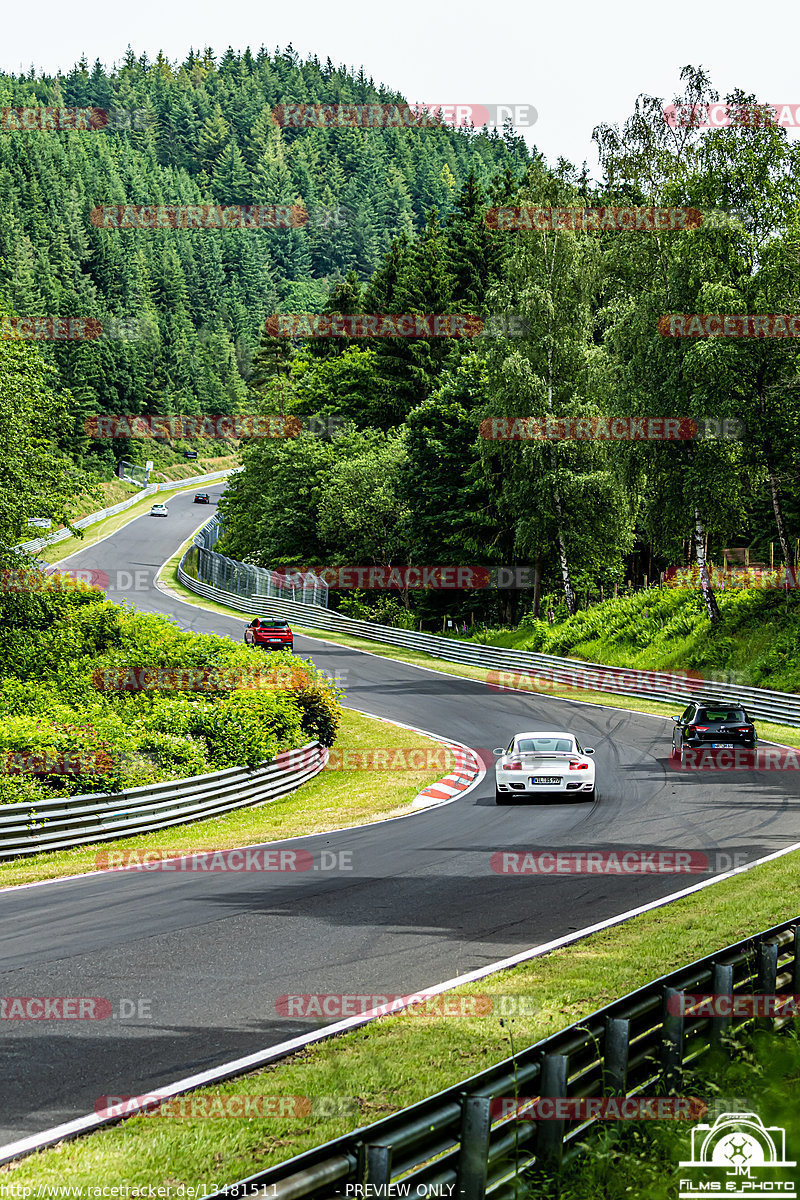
(458, 1144)
(535, 670)
(33, 547)
(248, 581)
(67, 821)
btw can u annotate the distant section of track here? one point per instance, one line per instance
(212, 953)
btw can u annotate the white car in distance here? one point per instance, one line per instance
(159, 510)
(550, 764)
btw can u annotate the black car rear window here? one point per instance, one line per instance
(722, 714)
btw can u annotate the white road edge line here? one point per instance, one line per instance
(241, 1066)
(299, 837)
(138, 517)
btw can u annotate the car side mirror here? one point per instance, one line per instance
(499, 750)
(677, 720)
(588, 750)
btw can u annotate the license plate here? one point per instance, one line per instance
(545, 779)
(722, 746)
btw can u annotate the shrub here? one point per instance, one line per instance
(156, 756)
(54, 705)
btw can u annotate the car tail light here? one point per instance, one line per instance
(697, 729)
(745, 729)
(576, 765)
(515, 766)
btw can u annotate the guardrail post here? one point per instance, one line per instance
(796, 964)
(550, 1134)
(473, 1155)
(767, 976)
(615, 1056)
(721, 985)
(375, 1166)
(672, 1038)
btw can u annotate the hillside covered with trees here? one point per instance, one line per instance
(412, 477)
(415, 481)
(189, 304)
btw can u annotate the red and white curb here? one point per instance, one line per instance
(467, 772)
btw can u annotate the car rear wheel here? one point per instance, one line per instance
(501, 797)
(592, 795)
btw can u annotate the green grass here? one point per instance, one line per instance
(402, 1058)
(332, 800)
(755, 644)
(760, 1070)
(95, 533)
(768, 731)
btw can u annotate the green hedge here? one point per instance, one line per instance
(67, 728)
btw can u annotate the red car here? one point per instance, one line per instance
(269, 634)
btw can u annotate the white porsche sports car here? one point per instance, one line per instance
(548, 763)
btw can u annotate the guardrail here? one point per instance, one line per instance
(457, 1143)
(37, 544)
(67, 821)
(535, 669)
(247, 581)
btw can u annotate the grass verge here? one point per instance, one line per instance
(332, 800)
(95, 533)
(755, 1073)
(400, 1059)
(786, 734)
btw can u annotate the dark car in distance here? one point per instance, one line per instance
(202, 498)
(713, 725)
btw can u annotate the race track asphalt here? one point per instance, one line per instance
(204, 957)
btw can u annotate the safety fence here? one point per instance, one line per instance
(479, 1137)
(507, 669)
(60, 535)
(246, 581)
(67, 821)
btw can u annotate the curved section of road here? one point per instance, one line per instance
(204, 958)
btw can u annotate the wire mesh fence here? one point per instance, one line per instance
(248, 581)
